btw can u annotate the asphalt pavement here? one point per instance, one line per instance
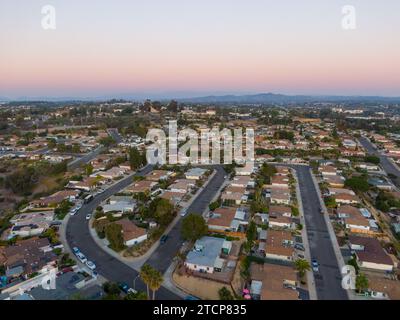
(78, 235)
(162, 257)
(328, 279)
(385, 163)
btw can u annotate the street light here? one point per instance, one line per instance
(134, 282)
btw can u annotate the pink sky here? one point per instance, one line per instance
(121, 47)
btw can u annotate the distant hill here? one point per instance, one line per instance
(265, 98)
(261, 98)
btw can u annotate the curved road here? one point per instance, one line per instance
(77, 234)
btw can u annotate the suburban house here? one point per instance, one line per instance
(344, 198)
(280, 195)
(100, 162)
(131, 233)
(174, 197)
(280, 181)
(113, 173)
(247, 170)
(208, 254)
(328, 170)
(28, 256)
(279, 245)
(31, 224)
(195, 173)
(221, 219)
(55, 199)
(235, 198)
(370, 254)
(182, 186)
(334, 191)
(280, 210)
(380, 183)
(367, 166)
(120, 205)
(141, 186)
(278, 220)
(349, 144)
(273, 282)
(242, 181)
(382, 288)
(159, 175)
(335, 181)
(87, 184)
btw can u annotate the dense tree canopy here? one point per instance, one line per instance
(114, 236)
(193, 227)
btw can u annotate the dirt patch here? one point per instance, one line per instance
(201, 288)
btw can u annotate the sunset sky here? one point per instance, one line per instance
(193, 47)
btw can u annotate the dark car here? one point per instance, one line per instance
(191, 298)
(124, 287)
(299, 246)
(163, 239)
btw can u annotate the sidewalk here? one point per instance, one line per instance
(169, 282)
(137, 263)
(310, 275)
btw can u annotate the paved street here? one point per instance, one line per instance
(86, 158)
(93, 154)
(386, 164)
(113, 133)
(114, 270)
(163, 255)
(78, 235)
(328, 279)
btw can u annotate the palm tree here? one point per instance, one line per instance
(302, 266)
(362, 282)
(145, 275)
(156, 280)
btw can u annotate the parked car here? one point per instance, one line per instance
(124, 287)
(73, 211)
(67, 269)
(191, 298)
(299, 246)
(90, 265)
(315, 265)
(184, 212)
(163, 239)
(81, 257)
(75, 250)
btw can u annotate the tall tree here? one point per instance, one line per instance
(362, 282)
(156, 280)
(251, 235)
(114, 236)
(193, 227)
(225, 294)
(136, 159)
(145, 275)
(302, 266)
